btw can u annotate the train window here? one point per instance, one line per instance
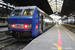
(3, 12)
(2, 19)
(17, 12)
(28, 12)
(38, 13)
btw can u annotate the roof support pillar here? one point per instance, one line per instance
(67, 20)
(74, 20)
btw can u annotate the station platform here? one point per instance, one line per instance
(56, 38)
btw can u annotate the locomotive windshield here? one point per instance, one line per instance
(28, 12)
(17, 12)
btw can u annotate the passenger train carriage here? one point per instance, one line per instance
(27, 22)
(3, 21)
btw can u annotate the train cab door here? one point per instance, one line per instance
(41, 24)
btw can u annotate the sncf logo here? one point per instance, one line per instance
(18, 26)
(36, 26)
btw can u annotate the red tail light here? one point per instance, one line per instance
(13, 25)
(26, 26)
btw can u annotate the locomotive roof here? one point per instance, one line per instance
(31, 7)
(24, 7)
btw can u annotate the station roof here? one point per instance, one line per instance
(67, 8)
(42, 4)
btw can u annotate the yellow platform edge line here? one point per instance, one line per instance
(33, 41)
(68, 34)
(59, 47)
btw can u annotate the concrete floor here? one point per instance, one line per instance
(56, 38)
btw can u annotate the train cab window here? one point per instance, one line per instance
(17, 12)
(28, 12)
(38, 14)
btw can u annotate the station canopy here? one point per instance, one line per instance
(64, 7)
(42, 4)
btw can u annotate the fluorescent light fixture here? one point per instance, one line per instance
(4, 6)
(3, 3)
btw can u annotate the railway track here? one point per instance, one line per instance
(16, 45)
(5, 40)
(70, 28)
(12, 44)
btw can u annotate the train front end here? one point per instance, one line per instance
(20, 23)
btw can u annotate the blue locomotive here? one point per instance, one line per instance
(29, 21)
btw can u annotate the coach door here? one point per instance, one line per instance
(41, 23)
